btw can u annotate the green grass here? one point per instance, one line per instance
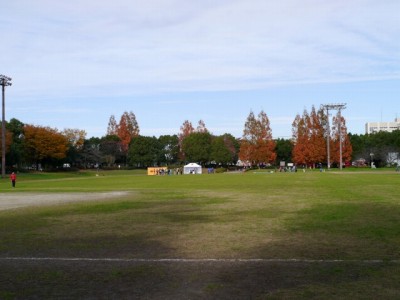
(255, 214)
(351, 216)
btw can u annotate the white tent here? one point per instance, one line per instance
(192, 168)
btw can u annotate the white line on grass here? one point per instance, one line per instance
(200, 260)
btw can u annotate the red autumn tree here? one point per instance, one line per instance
(186, 129)
(309, 138)
(75, 137)
(44, 143)
(257, 145)
(300, 139)
(317, 136)
(248, 140)
(127, 129)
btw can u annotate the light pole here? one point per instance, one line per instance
(328, 134)
(340, 138)
(4, 81)
(338, 107)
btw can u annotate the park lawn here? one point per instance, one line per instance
(280, 215)
(351, 217)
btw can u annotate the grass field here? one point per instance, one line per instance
(252, 235)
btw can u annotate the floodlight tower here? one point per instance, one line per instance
(338, 107)
(4, 81)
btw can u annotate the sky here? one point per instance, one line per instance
(75, 63)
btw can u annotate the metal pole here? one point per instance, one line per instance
(328, 140)
(3, 134)
(4, 80)
(338, 107)
(340, 139)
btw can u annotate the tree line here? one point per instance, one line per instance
(31, 146)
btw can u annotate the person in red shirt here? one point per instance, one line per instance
(13, 178)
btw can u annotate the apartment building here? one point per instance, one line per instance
(372, 127)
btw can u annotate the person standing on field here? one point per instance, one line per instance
(13, 178)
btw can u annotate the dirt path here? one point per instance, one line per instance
(12, 201)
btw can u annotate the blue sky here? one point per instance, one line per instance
(75, 63)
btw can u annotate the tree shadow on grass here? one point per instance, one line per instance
(343, 250)
(345, 231)
(196, 280)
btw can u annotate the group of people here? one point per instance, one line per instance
(163, 172)
(288, 169)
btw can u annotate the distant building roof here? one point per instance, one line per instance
(372, 127)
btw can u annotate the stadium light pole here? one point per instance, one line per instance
(4, 81)
(328, 134)
(338, 107)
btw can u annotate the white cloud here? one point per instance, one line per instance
(181, 45)
(87, 51)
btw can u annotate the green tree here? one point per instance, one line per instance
(384, 146)
(91, 155)
(380, 144)
(284, 148)
(186, 129)
(358, 144)
(16, 130)
(197, 147)
(219, 152)
(224, 149)
(76, 139)
(144, 151)
(169, 145)
(112, 150)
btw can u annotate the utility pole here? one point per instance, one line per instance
(4, 81)
(328, 134)
(338, 107)
(340, 137)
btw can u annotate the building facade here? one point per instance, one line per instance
(372, 127)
